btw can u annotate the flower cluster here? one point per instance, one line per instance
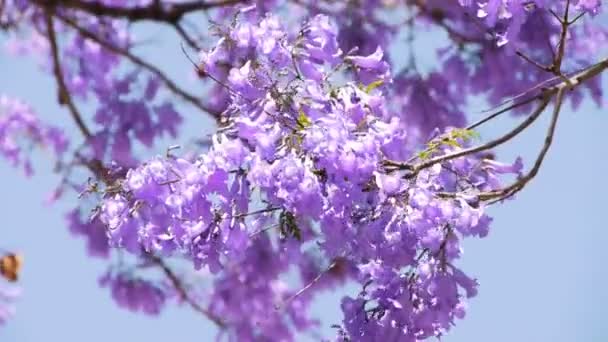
(314, 169)
(20, 130)
(92, 230)
(311, 151)
(511, 15)
(7, 298)
(135, 294)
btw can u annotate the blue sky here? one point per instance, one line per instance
(541, 269)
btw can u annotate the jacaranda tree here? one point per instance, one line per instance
(332, 160)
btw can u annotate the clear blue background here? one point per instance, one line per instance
(542, 268)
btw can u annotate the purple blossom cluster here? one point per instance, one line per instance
(311, 151)
(333, 159)
(92, 230)
(509, 17)
(135, 294)
(7, 299)
(21, 130)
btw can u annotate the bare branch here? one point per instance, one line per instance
(496, 142)
(521, 182)
(157, 11)
(140, 62)
(545, 97)
(64, 94)
(257, 212)
(532, 61)
(185, 36)
(65, 98)
(502, 111)
(181, 289)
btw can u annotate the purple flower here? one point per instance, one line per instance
(133, 294)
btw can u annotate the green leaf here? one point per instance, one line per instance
(424, 154)
(465, 134)
(303, 120)
(474, 134)
(370, 87)
(452, 142)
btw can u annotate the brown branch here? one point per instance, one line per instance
(545, 95)
(65, 98)
(533, 62)
(181, 289)
(64, 94)
(185, 36)
(556, 69)
(140, 62)
(407, 165)
(98, 169)
(561, 90)
(257, 212)
(335, 266)
(561, 45)
(489, 145)
(156, 11)
(502, 111)
(438, 17)
(523, 181)
(539, 86)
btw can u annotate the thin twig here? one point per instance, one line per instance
(521, 182)
(177, 284)
(64, 93)
(185, 36)
(261, 211)
(502, 111)
(305, 288)
(546, 96)
(140, 62)
(65, 98)
(533, 62)
(489, 145)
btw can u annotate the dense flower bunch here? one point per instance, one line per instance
(334, 160)
(310, 151)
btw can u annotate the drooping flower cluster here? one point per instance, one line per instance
(510, 16)
(92, 230)
(21, 130)
(134, 294)
(300, 176)
(311, 151)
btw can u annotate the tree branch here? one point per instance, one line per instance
(64, 94)
(186, 37)
(545, 95)
(489, 145)
(521, 182)
(181, 289)
(65, 98)
(140, 62)
(157, 11)
(438, 17)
